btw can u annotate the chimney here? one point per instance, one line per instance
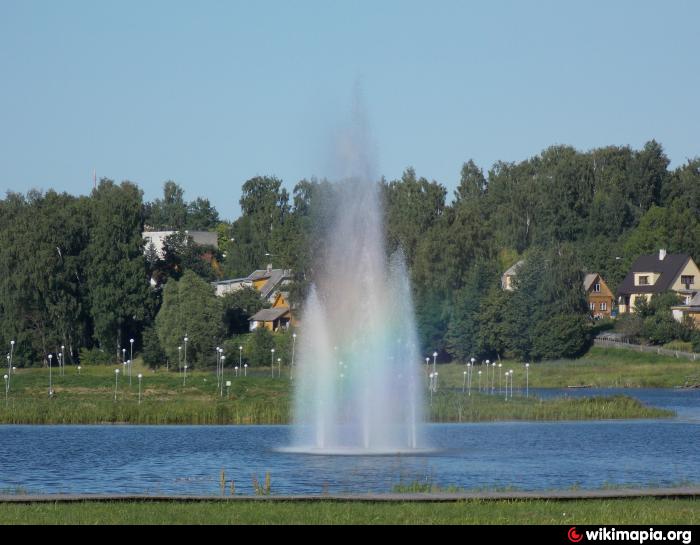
(662, 254)
(269, 267)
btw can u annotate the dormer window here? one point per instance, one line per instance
(596, 288)
(643, 280)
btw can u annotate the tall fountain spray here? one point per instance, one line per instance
(358, 384)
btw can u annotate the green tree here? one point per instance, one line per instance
(190, 309)
(117, 278)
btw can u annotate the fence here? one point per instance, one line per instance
(609, 343)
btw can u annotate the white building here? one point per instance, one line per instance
(157, 238)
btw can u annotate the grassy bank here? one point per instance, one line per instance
(89, 398)
(600, 367)
(594, 512)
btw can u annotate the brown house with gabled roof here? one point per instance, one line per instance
(658, 273)
(600, 298)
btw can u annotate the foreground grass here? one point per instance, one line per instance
(598, 512)
(600, 367)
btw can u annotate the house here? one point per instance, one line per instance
(279, 316)
(157, 238)
(691, 308)
(658, 273)
(267, 281)
(600, 298)
(507, 277)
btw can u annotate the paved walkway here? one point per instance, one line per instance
(556, 495)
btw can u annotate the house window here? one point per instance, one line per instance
(596, 288)
(688, 280)
(643, 280)
(591, 306)
(603, 306)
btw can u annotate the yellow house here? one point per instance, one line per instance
(279, 316)
(658, 273)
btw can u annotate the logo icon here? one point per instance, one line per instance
(573, 535)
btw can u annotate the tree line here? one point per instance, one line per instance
(74, 270)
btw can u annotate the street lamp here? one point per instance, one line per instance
(179, 359)
(79, 370)
(116, 383)
(123, 355)
(469, 377)
(479, 379)
(527, 380)
(63, 360)
(511, 383)
(431, 389)
(50, 376)
(500, 377)
(7, 387)
(140, 376)
(279, 367)
(9, 363)
(291, 368)
(245, 370)
(493, 377)
(228, 389)
(223, 359)
(184, 377)
(236, 369)
(434, 360)
(240, 356)
(488, 363)
(464, 382)
(272, 361)
(186, 339)
(131, 358)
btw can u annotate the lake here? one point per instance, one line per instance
(523, 455)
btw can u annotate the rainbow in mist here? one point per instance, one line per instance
(358, 380)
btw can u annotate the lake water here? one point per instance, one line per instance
(525, 455)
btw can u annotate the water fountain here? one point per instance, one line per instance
(358, 381)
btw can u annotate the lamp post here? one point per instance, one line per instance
(236, 370)
(12, 350)
(123, 355)
(140, 376)
(245, 370)
(79, 370)
(493, 377)
(500, 378)
(511, 383)
(184, 377)
(116, 383)
(272, 361)
(186, 339)
(464, 382)
(50, 376)
(434, 360)
(7, 387)
(63, 360)
(279, 367)
(488, 364)
(527, 380)
(479, 379)
(291, 367)
(240, 356)
(223, 359)
(228, 389)
(469, 377)
(131, 358)
(179, 359)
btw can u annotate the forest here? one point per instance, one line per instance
(74, 271)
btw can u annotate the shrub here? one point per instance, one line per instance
(95, 356)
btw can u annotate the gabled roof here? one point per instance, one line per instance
(269, 314)
(588, 280)
(514, 269)
(274, 278)
(668, 268)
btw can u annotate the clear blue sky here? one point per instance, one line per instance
(212, 93)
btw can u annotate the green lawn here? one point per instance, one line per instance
(600, 367)
(88, 398)
(592, 512)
